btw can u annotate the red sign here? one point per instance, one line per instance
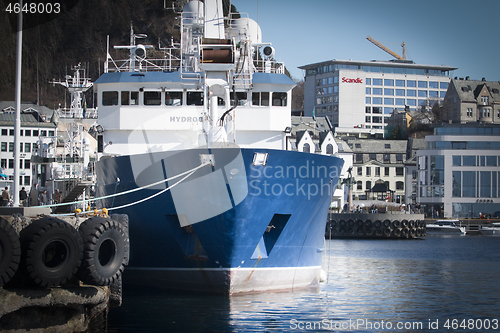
(347, 80)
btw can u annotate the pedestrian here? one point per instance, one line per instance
(43, 198)
(5, 197)
(23, 196)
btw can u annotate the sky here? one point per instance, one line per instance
(458, 33)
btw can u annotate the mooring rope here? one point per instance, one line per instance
(187, 173)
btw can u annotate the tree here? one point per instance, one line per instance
(298, 96)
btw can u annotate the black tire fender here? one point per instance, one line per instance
(10, 251)
(51, 251)
(105, 245)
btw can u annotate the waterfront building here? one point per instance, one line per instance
(33, 132)
(459, 171)
(360, 96)
(411, 171)
(314, 135)
(375, 162)
(472, 101)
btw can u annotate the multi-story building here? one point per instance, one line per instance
(377, 161)
(31, 133)
(472, 101)
(360, 96)
(459, 171)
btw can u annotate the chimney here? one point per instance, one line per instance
(467, 78)
(483, 79)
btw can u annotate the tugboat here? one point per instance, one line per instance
(194, 150)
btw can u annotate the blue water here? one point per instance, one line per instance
(438, 284)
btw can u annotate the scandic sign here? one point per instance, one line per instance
(347, 80)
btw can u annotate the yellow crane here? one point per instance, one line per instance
(394, 54)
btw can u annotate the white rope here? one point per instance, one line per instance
(190, 172)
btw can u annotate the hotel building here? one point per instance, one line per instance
(360, 96)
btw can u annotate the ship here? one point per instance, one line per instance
(194, 147)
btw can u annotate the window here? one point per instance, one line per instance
(368, 185)
(457, 160)
(35, 132)
(389, 92)
(194, 98)
(377, 82)
(456, 184)
(360, 171)
(377, 91)
(27, 132)
(399, 171)
(329, 149)
(469, 160)
(399, 157)
(400, 185)
(11, 163)
(20, 147)
(386, 171)
(411, 93)
(422, 84)
(359, 185)
(377, 100)
(400, 83)
(411, 83)
(27, 180)
(152, 98)
(27, 164)
(388, 82)
(109, 98)
(306, 148)
(130, 97)
(279, 98)
(4, 131)
(357, 145)
(359, 158)
(373, 156)
(387, 157)
(11, 146)
(51, 133)
(368, 171)
(260, 98)
(173, 98)
(469, 112)
(4, 146)
(485, 99)
(11, 132)
(377, 171)
(433, 85)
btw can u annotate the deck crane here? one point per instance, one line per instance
(394, 54)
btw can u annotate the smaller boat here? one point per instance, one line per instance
(492, 229)
(445, 227)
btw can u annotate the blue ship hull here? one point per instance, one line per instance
(231, 226)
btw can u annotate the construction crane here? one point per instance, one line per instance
(394, 54)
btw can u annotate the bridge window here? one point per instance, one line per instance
(241, 96)
(195, 98)
(109, 98)
(152, 98)
(260, 98)
(173, 98)
(279, 98)
(130, 97)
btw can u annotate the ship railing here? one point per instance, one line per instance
(269, 66)
(146, 65)
(88, 113)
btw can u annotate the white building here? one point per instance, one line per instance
(459, 171)
(363, 94)
(314, 135)
(32, 132)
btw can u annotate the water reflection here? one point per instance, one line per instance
(411, 282)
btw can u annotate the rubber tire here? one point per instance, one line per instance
(46, 236)
(104, 251)
(10, 251)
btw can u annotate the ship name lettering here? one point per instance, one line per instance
(174, 119)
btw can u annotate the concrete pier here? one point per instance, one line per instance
(67, 309)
